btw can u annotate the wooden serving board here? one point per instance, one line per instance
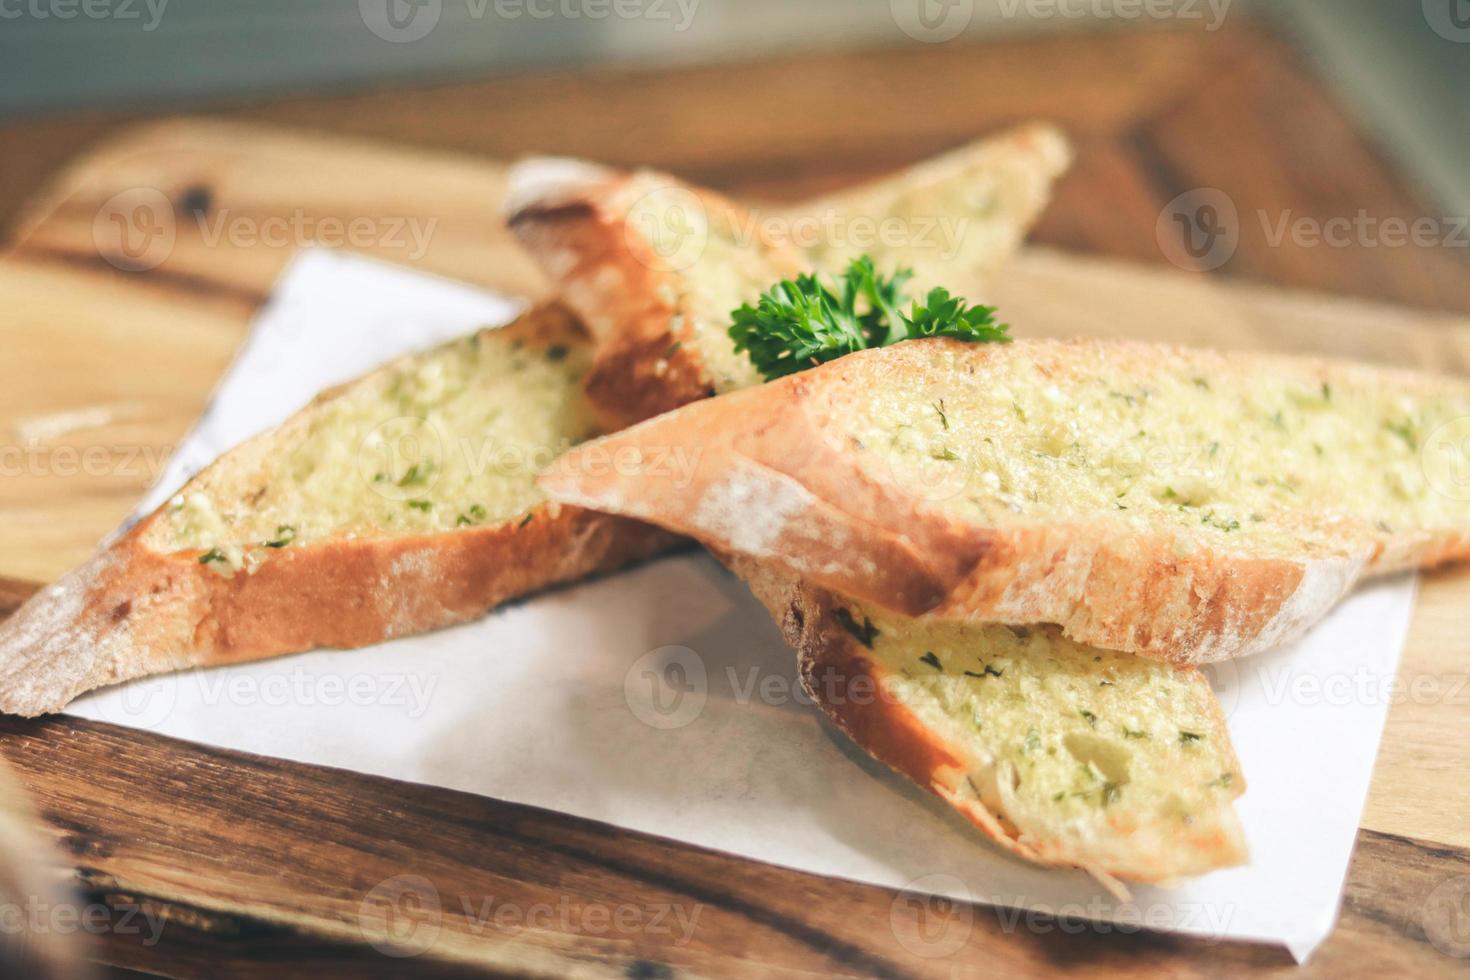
(267, 863)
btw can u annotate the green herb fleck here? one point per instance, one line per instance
(557, 352)
(1224, 780)
(212, 555)
(416, 474)
(421, 505)
(945, 455)
(943, 418)
(1405, 431)
(1130, 733)
(285, 534)
(931, 660)
(1187, 737)
(527, 519)
(1091, 718)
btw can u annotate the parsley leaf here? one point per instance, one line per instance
(799, 323)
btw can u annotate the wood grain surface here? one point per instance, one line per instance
(265, 868)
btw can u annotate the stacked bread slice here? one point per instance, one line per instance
(400, 502)
(1001, 564)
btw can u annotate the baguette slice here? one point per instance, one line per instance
(654, 267)
(1181, 504)
(1063, 754)
(398, 503)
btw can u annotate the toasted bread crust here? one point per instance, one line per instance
(133, 610)
(574, 218)
(130, 611)
(769, 485)
(635, 302)
(848, 685)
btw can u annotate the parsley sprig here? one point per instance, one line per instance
(802, 322)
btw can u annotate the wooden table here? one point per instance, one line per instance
(265, 868)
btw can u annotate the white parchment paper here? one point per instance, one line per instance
(663, 699)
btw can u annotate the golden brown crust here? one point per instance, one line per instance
(766, 483)
(641, 305)
(131, 611)
(635, 302)
(848, 685)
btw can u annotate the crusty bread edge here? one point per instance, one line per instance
(766, 483)
(131, 610)
(847, 685)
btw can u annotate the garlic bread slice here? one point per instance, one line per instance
(655, 266)
(1182, 504)
(1063, 754)
(398, 503)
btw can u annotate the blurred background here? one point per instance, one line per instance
(776, 99)
(1400, 66)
